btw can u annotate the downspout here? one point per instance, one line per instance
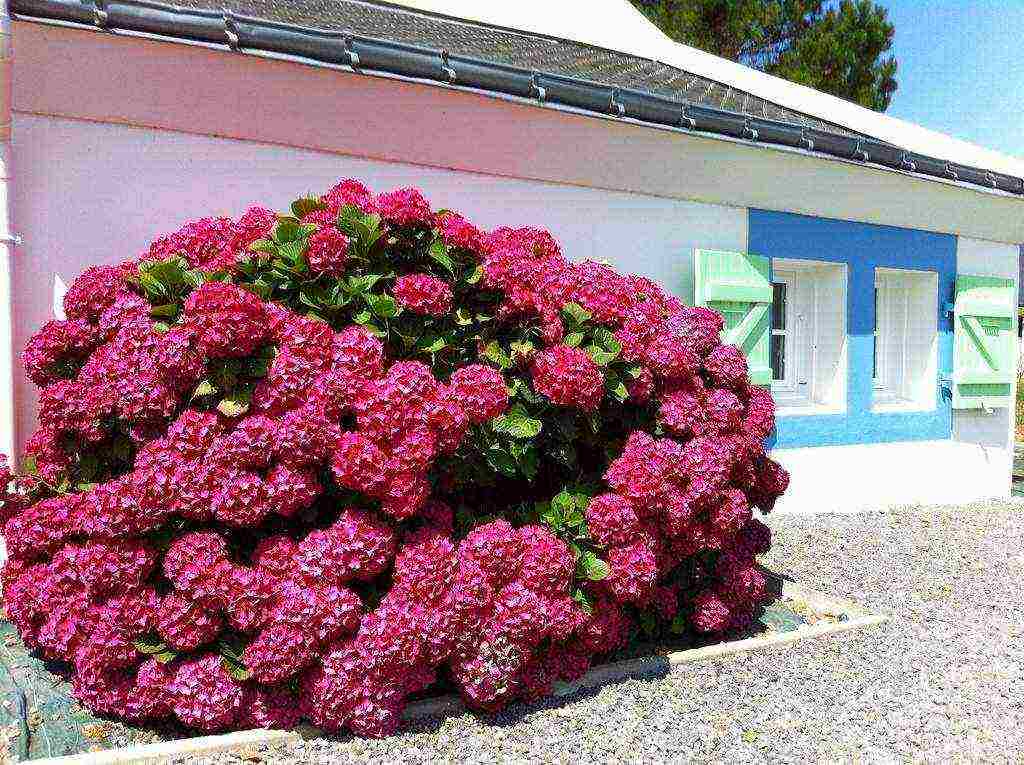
(7, 243)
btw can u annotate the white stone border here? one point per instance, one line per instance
(855, 618)
(194, 747)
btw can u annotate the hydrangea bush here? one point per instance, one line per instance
(307, 465)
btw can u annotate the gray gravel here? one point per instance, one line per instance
(943, 680)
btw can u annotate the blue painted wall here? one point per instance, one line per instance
(863, 248)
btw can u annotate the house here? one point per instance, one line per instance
(868, 267)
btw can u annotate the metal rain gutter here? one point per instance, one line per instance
(368, 54)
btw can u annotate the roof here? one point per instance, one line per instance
(617, 25)
(596, 56)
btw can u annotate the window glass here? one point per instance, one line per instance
(778, 357)
(778, 339)
(778, 306)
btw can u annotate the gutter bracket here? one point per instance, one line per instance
(353, 57)
(806, 140)
(231, 30)
(100, 16)
(858, 151)
(539, 92)
(685, 119)
(749, 131)
(906, 164)
(951, 172)
(616, 106)
(446, 66)
(991, 180)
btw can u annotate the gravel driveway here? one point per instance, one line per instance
(943, 680)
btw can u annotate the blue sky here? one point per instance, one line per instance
(961, 68)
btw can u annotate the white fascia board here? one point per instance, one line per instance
(617, 25)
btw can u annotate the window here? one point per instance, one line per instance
(905, 339)
(808, 336)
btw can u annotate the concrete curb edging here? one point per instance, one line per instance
(854, 617)
(195, 747)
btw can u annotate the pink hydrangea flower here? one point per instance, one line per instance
(568, 377)
(424, 294)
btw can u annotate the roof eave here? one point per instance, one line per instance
(374, 55)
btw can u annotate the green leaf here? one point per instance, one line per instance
(29, 466)
(350, 221)
(304, 205)
(439, 252)
(593, 567)
(290, 230)
(167, 310)
(573, 339)
(235, 404)
(383, 306)
(678, 626)
(600, 356)
(194, 277)
(616, 387)
(359, 284)
(263, 245)
(149, 645)
(166, 657)
(431, 344)
(236, 669)
(475, 275)
(575, 313)
(522, 348)
(563, 503)
(494, 352)
(517, 424)
(204, 388)
(607, 340)
(581, 598)
(292, 252)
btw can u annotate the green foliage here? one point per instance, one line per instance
(155, 647)
(166, 283)
(835, 48)
(231, 647)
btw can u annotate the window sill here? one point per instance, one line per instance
(901, 405)
(807, 410)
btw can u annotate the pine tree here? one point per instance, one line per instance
(835, 48)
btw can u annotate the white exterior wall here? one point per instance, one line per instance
(90, 193)
(992, 434)
(113, 146)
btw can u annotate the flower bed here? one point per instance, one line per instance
(295, 466)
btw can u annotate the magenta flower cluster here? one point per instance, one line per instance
(293, 552)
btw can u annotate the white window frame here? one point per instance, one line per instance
(906, 340)
(814, 379)
(793, 388)
(892, 312)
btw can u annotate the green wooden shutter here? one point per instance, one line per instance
(738, 286)
(984, 342)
